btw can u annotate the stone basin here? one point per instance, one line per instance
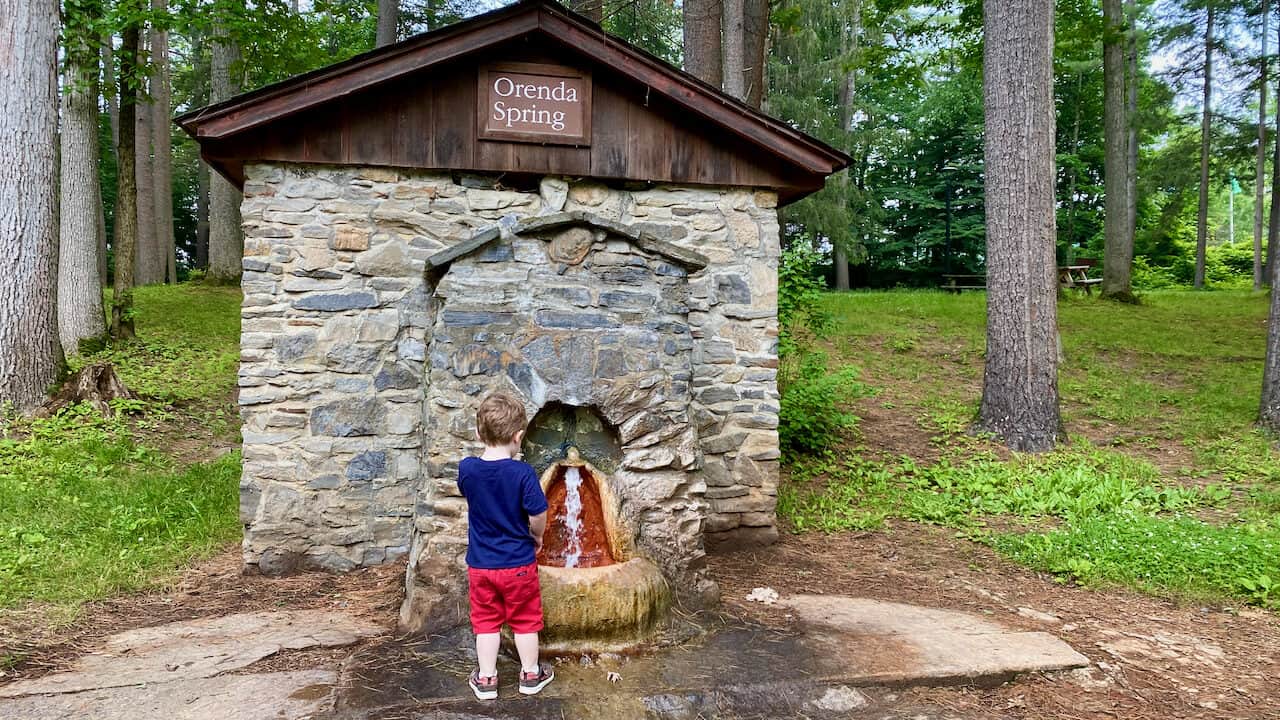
(610, 608)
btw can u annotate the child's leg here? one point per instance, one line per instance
(487, 652)
(527, 647)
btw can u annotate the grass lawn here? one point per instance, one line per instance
(1164, 486)
(91, 507)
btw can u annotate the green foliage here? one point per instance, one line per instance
(91, 505)
(1179, 555)
(811, 419)
(1161, 379)
(88, 512)
(187, 347)
(802, 315)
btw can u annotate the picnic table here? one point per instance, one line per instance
(957, 283)
(1076, 277)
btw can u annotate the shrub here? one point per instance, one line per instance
(810, 420)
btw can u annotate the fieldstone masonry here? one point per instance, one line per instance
(380, 305)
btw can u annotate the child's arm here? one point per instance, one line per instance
(537, 526)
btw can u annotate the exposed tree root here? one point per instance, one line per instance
(97, 384)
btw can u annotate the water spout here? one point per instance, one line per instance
(572, 518)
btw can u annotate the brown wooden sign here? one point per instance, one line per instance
(527, 102)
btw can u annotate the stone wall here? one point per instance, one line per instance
(337, 317)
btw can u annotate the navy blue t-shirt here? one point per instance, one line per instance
(501, 495)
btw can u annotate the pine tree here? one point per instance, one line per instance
(80, 313)
(29, 352)
(1020, 384)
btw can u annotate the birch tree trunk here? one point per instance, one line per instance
(1020, 384)
(388, 19)
(702, 41)
(226, 244)
(1260, 177)
(80, 313)
(1202, 216)
(126, 240)
(162, 143)
(29, 353)
(1118, 248)
(735, 49)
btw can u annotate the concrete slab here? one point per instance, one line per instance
(885, 643)
(197, 649)
(280, 696)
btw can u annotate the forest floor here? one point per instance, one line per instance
(1149, 542)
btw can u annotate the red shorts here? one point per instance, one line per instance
(510, 595)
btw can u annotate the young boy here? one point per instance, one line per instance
(507, 513)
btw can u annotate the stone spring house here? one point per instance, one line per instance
(515, 202)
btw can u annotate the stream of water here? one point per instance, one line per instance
(573, 516)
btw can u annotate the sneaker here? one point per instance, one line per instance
(531, 683)
(485, 688)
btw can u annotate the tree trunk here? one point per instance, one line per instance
(109, 89)
(148, 263)
(1074, 183)
(1260, 177)
(388, 19)
(848, 47)
(842, 269)
(226, 244)
(126, 240)
(1118, 248)
(202, 215)
(1273, 223)
(702, 41)
(593, 9)
(1202, 216)
(29, 353)
(1131, 119)
(1269, 410)
(1020, 384)
(735, 48)
(79, 288)
(755, 43)
(162, 142)
(113, 113)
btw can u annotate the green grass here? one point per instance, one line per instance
(1177, 376)
(90, 506)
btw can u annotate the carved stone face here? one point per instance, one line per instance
(570, 247)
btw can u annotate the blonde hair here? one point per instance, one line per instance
(499, 418)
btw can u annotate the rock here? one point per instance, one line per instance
(282, 695)
(554, 192)
(385, 260)
(348, 418)
(570, 246)
(841, 699)
(337, 302)
(367, 466)
(932, 646)
(177, 652)
(395, 376)
(349, 238)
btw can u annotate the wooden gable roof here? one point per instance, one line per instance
(414, 104)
